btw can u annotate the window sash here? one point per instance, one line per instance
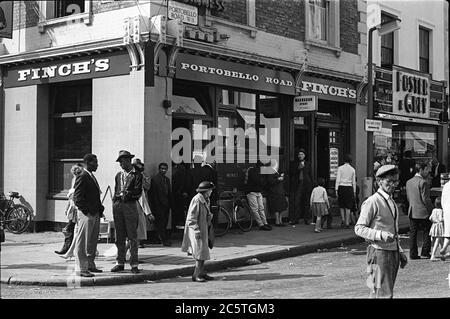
(424, 50)
(318, 22)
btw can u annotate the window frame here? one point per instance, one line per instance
(47, 17)
(387, 17)
(332, 29)
(55, 160)
(423, 30)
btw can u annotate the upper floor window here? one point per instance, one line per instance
(322, 24)
(387, 45)
(318, 18)
(67, 7)
(424, 50)
(64, 11)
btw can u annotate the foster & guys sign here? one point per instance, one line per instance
(411, 94)
(92, 66)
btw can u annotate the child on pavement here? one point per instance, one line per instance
(437, 229)
(319, 203)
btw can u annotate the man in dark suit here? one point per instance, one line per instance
(436, 170)
(87, 199)
(161, 202)
(301, 187)
(420, 207)
(181, 186)
(127, 191)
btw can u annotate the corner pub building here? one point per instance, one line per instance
(86, 92)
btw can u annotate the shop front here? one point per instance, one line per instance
(233, 114)
(58, 109)
(252, 108)
(408, 103)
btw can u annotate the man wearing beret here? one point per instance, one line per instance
(378, 224)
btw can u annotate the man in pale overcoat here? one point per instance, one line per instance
(420, 207)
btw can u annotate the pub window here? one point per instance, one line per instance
(71, 130)
(387, 45)
(424, 50)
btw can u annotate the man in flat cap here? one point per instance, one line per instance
(127, 190)
(378, 224)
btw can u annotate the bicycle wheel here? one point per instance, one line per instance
(18, 219)
(243, 217)
(221, 220)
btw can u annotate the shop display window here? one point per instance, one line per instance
(71, 130)
(396, 138)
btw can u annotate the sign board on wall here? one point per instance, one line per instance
(203, 69)
(305, 103)
(411, 93)
(328, 89)
(93, 66)
(334, 162)
(373, 125)
(184, 12)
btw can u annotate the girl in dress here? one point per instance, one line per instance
(319, 203)
(437, 229)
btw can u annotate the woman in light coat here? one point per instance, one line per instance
(195, 238)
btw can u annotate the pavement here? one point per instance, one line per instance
(29, 259)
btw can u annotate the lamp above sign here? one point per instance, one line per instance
(305, 103)
(184, 12)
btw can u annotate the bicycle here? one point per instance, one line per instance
(15, 217)
(241, 215)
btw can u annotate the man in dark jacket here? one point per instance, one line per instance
(87, 199)
(301, 186)
(436, 170)
(181, 185)
(420, 207)
(127, 190)
(161, 202)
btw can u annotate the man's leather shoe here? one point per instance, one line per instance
(198, 279)
(268, 226)
(117, 268)
(293, 223)
(425, 256)
(414, 257)
(135, 270)
(205, 276)
(264, 227)
(61, 252)
(95, 270)
(85, 274)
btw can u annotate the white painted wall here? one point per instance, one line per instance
(429, 14)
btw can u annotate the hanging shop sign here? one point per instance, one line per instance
(305, 103)
(93, 66)
(329, 90)
(213, 5)
(185, 13)
(411, 92)
(202, 69)
(372, 125)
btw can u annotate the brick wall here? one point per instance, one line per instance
(349, 26)
(235, 11)
(282, 17)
